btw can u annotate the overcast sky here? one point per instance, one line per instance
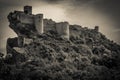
(87, 13)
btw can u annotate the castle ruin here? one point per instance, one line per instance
(26, 20)
(26, 25)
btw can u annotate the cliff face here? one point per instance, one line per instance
(88, 55)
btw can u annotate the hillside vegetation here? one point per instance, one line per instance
(88, 55)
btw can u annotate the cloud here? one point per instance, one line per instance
(52, 1)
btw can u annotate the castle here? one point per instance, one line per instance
(25, 24)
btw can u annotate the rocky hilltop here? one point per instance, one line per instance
(86, 55)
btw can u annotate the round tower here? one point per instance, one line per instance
(38, 22)
(62, 29)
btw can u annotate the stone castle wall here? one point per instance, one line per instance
(22, 18)
(24, 23)
(27, 25)
(49, 24)
(38, 22)
(62, 29)
(26, 19)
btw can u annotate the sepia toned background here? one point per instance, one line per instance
(87, 13)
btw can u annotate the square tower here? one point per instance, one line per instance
(96, 28)
(28, 9)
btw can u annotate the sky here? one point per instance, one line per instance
(87, 13)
